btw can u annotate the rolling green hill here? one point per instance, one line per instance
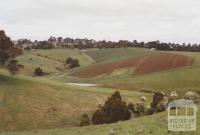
(117, 54)
(50, 106)
(51, 60)
(148, 125)
(34, 103)
(181, 79)
(166, 80)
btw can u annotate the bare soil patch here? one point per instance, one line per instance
(142, 65)
(156, 63)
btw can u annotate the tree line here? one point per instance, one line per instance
(85, 43)
(116, 109)
(9, 50)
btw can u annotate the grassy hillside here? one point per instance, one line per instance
(33, 103)
(180, 79)
(137, 66)
(63, 54)
(105, 56)
(148, 125)
(117, 54)
(51, 60)
(53, 107)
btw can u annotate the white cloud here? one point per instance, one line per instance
(166, 20)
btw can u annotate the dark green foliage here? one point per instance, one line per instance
(43, 45)
(85, 120)
(14, 67)
(72, 63)
(190, 95)
(69, 60)
(157, 97)
(114, 109)
(149, 111)
(99, 117)
(161, 107)
(7, 49)
(39, 72)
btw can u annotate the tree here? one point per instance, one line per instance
(157, 98)
(69, 60)
(72, 63)
(99, 117)
(114, 109)
(14, 67)
(59, 39)
(7, 49)
(38, 72)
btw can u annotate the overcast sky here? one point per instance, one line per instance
(146, 20)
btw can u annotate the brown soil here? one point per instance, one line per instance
(156, 63)
(107, 69)
(142, 65)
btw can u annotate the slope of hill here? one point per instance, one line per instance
(51, 60)
(148, 125)
(34, 103)
(54, 107)
(109, 55)
(139, 65)
(181, 77)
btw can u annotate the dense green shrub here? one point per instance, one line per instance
(157, 98)
(13, 66)
(99, 117)
(39, 72)
(149, 111)
(69, 60)
(114, 109)
(72, 63)
(7, 49)
(161, 107)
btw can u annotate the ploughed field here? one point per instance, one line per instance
(137, 66)
(156, 63)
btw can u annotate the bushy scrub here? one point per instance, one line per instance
(157, 98)
(138, 109)
(161, 107)
(190, 95)
(149, 111)
(72, 63)
(114, 109)
(99, 117)
(173, 96)
(39, 72)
